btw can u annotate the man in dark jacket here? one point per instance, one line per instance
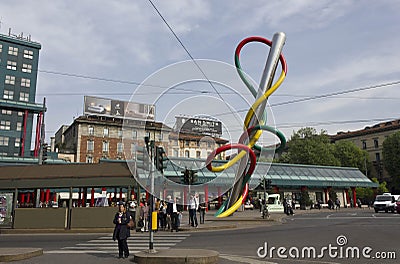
(121, 230)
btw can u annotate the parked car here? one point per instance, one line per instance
(385, 202)
(398, 205)
(248, 205)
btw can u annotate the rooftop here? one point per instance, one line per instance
(380, 127)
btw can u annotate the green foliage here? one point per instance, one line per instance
(332, 195)
(391, 155)
(368, 193)
(306, 146)
(350, 155)
(382, 188)
(305, 200)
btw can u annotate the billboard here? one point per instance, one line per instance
(198, 125)
(117, 108)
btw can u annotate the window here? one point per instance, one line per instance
(198, 154)
(13, 51)
(105, 132)
(20, 113)
(160, 137)
(1, 47)
(147, 134)
(364, 144)
(24, 97)
(6, 112)
(89, 159)
(3, 141)
(12, 65)
(26, 68)
(25, 82)
(19, 126)
(91, 131)
(133, 148)
(187, 155)
(10, 80)
(5, 125)
(176, 153)
(119, 132)
(378, 156)
(134, 134)
(17, 142)
(376, 143)
(28, 54)
(187, 143)
(8, 94)
(105, 146)
(120, 147)
(90, 145)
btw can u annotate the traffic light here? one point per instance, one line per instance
(185, 176)
(266, 183)
(142, 158)
(159, 159)
(44, 152)
(192, 177)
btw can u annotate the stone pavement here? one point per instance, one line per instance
(243, 219)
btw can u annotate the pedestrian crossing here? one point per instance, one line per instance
(136, 243)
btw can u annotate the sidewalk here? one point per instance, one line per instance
(241, 219)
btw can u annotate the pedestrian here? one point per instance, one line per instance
(192, 211)
(337, 203)
(172, 212)
(330, 204)
(202, 211)
(132, 209)
(121, 230)
(162, 215)
(359, 203)
(144, 216)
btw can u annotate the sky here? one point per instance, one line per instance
(108, 48)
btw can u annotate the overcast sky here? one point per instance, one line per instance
(331, 46)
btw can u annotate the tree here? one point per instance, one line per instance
(350, 155)
(305, 200)
(391, 155)
(306, 146)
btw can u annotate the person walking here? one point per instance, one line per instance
(121, 230)
(162, 215)
(132, 209)
(192, 211)
(144, 216)
(337, 203)
(202, 211)
(172, 212)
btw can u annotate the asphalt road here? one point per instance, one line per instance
(340, 232)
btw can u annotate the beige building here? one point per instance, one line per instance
(91, 138)
(371, 139)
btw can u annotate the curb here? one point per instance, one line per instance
(14, 254)
(177, 256)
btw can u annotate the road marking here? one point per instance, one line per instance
(106, 245)
(245, 259)
(255, 260)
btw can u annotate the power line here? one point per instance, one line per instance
(187, 52)
(382, 85)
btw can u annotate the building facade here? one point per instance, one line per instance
(19, 58)
(92, 138)
(371, 140)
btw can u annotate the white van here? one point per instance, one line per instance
(385, 202)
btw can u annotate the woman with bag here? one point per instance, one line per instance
(122, 220)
